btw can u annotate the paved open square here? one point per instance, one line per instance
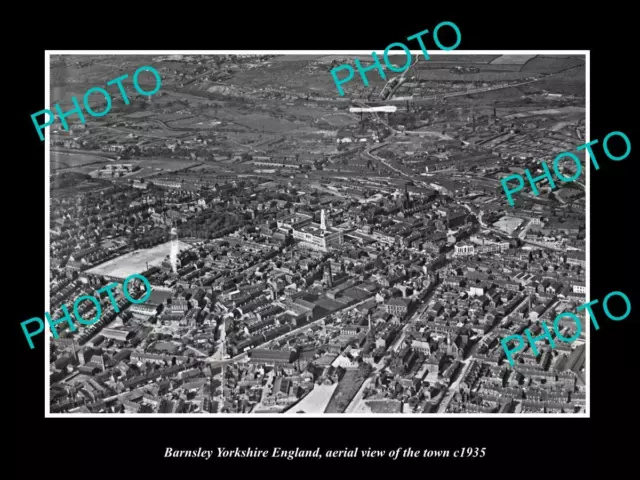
(136, 262)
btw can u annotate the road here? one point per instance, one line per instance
(381, 160)
(542, 245)
(271, 376)
(524, 228)
(454, 387)
(357, 399)
(416, 316)
(368, 150)
(381, 364)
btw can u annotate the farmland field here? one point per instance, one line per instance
(512, 59)
(428, 74)
(465, 60)
(437, 58)
(550, 64)
(570, 82)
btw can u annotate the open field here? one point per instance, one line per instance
(192, 122)
(502, 96)
(512, 59)
(399, 58)
(296, 75)
(340, 119)
(143, 114)
(136, 262)
(551, 111)
(266, 123)
(68, 160)
(295, 58)
(61, 185)
(485, 75)
(168, 164)
(95, 71)
(300, 112)
(571, 82)
(542, 64)
(63, 95)
(159, 133)
(460, 59)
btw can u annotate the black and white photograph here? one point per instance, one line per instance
(358, 244)
(257, 244)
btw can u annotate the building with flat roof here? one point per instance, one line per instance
(294, 221)
(116, 334)
(312, 235)
(508, 224)
(271, 357)
(149, 308)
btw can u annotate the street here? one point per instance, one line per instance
(454, 387)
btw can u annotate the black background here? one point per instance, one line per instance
(516, 447)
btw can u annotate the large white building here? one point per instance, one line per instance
(312, 235)
(464, 248)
